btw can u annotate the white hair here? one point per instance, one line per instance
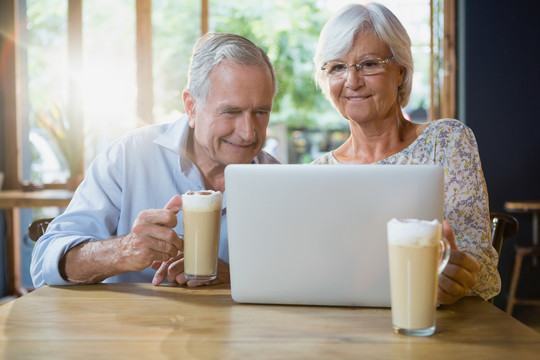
(337, 37)
(214, 48)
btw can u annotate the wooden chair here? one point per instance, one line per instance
(503, 226)
(37, 228)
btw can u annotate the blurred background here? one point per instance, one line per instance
(303, 123)
(77, 74)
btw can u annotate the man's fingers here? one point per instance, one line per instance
(174, 204)
(223, 276)
(161, 273)
(157, 238)
(196, 283)
(181, 278)
(174, 269)
(161, 217)
(175, 263)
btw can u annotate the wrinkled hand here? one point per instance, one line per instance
(173, 270)
(152, 237)
(459, 275)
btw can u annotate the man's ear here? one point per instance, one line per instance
(189, 106)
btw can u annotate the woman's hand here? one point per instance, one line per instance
(459, 275)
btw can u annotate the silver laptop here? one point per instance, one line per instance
(315, 234)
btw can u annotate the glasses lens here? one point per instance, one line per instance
(336, 70)
(371, 67)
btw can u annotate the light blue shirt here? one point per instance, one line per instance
(142, 170)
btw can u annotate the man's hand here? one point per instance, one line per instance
(152, 238)
(459, 275)
(173, 270)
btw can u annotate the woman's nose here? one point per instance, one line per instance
(354, 78)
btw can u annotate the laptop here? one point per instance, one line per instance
(316, 234)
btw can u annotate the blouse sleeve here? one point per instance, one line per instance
(466, 205)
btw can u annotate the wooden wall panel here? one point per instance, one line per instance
(11, 146)
(145, 100)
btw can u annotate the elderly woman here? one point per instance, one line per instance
(364, 67)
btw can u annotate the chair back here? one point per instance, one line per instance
(503, 226)
(38, 228)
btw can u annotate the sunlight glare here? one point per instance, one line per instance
(108, 92)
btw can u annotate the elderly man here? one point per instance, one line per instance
(121, 225)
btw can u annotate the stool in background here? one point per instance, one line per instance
(533, 208)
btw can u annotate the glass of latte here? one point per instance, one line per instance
(202, 222)
(417, 255)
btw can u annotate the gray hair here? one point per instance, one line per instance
(337, 37)
(214, 48)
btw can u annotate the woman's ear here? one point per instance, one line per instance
(401, 76)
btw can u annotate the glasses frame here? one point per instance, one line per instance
(357, 66)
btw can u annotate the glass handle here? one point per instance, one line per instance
(444, 254)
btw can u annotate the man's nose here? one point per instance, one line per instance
(245, 127)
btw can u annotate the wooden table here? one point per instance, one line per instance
(139, 321)
(11, 201)
(529, 207)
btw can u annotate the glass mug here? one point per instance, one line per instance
(417, 255)
(201, 212)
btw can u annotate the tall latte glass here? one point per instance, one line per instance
(202, 221)
(417, 254)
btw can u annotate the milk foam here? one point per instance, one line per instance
(203, 200)
(414, 232)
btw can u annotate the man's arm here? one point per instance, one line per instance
(152, 238)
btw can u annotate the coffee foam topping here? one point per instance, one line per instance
(414, 232)
(202, 200)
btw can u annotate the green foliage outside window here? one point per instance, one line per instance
(288, 31)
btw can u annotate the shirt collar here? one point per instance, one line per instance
(175, 138)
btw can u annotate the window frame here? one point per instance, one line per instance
(443, 96)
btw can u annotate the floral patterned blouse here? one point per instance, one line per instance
(451, 144)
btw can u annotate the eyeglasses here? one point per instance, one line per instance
(338, 70)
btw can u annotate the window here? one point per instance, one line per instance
(302, 121)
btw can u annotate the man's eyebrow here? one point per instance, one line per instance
(264, 108)
(228, 108)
